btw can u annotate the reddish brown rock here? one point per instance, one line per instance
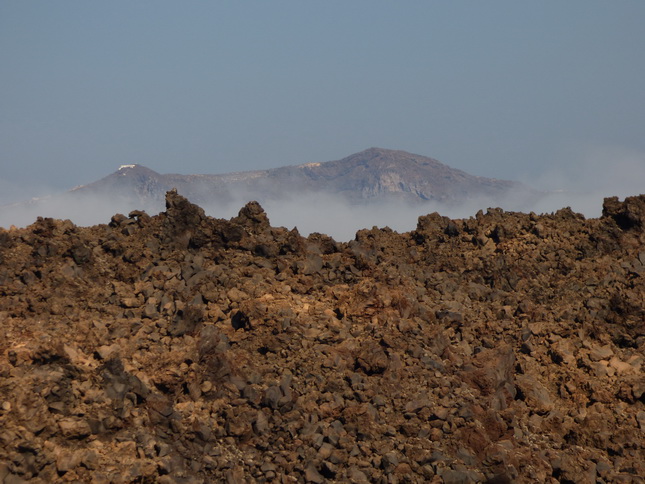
(506, 347)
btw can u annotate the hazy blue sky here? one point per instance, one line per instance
(511, 89)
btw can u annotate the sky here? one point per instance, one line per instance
(551, 93)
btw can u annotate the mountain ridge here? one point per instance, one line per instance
(368, 181)
(371, 173)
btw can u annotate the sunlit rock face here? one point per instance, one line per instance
(506, 347)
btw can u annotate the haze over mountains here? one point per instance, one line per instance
(373, 187)
(373, 174)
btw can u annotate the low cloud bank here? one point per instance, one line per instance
(316, 213)
(86, 211)
(585, 178)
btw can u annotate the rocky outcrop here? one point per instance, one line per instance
(506, 347)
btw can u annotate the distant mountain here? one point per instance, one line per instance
(373, 174)
(362, 179)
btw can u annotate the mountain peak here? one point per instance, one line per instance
(375, 152)
(391, 156)
(135, 169)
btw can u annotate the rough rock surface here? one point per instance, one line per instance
(180, 348)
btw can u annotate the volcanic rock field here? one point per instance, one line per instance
(180, 348)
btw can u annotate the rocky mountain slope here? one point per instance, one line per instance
(375, 173)
(180, 348)
(371, 176)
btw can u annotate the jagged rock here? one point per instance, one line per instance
(493, 375)
(598, 353)
(183, 220)
(182, 348)
(253, 216)
(535, 395)
(372, 358)
(74, 428)
(627, 214)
